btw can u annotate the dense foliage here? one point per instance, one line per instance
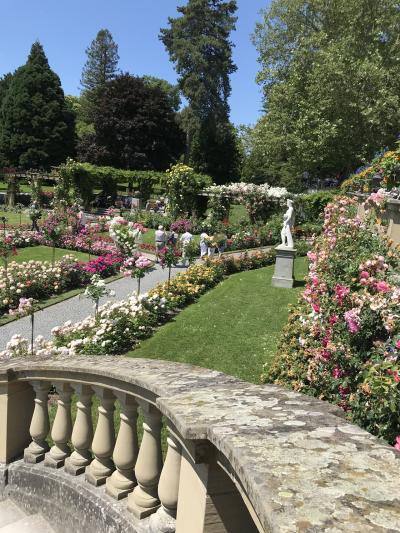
(84, 177)
(342, 341)
(135, 127)
(36, 125)
(182, 185)
(331, 82)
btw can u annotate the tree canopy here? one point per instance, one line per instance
(135, 127)
(36, 125)
(172, 91)
(331, 83)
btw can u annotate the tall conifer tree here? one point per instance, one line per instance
(199, 44)
(102, 61)
(36, 125)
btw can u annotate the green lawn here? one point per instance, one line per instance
(238, 213)
(44, 253)
(13, 218)
(234, 328)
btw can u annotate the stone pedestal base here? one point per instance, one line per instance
(74, 470)
(53, 463)
(115, 492)
(284, 265)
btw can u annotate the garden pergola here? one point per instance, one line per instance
(12, 176)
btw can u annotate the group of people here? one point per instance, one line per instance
(164, 238)
(207, 247)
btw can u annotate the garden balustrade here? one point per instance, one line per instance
(237, 457)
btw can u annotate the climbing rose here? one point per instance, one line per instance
(352, 318)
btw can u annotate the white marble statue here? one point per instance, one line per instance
(288, 223)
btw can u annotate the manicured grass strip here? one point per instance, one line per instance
(44, 253)
(13, 218)
(238, 213)
(233, 328)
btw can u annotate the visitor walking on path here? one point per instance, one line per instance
(82, 221)
(161, 239)
(185, 239)
(204, 238)
(35, 214)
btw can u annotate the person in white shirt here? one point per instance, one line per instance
(161, 239)
(203, 244)
(81, 219)
(185, 239)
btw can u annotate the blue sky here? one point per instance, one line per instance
(66, 28)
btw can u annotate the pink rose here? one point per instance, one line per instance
(382, 286)
(353, 321)
(333, 320)
(336, 372)
(364, 274)
(397, 444)
(398, 344)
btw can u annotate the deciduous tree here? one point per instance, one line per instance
(331, 80)
(135, 127)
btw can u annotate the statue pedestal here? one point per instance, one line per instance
(284, 265)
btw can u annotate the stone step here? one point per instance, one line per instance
(9, 512)
(15, 520)
(29, 524)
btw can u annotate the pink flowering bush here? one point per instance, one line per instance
(342, 340)
(105, 265)
(181, 225)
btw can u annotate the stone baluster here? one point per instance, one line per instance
(40, 426)
(126, 449)
(82, 433)
(62, 428)
(104, 440)
(164, 520)
(143, 501)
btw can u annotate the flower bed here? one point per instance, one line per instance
(39, 279)
(342, 341)
(86, 240)
(384, 171)
(118, 327)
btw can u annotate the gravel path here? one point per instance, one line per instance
(78, 308)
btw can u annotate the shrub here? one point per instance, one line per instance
(342, 340)
(310, 207)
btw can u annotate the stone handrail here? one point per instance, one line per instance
(391, 215)
(240, 457)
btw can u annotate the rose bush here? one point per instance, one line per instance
(342, 340)
(39, 279)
